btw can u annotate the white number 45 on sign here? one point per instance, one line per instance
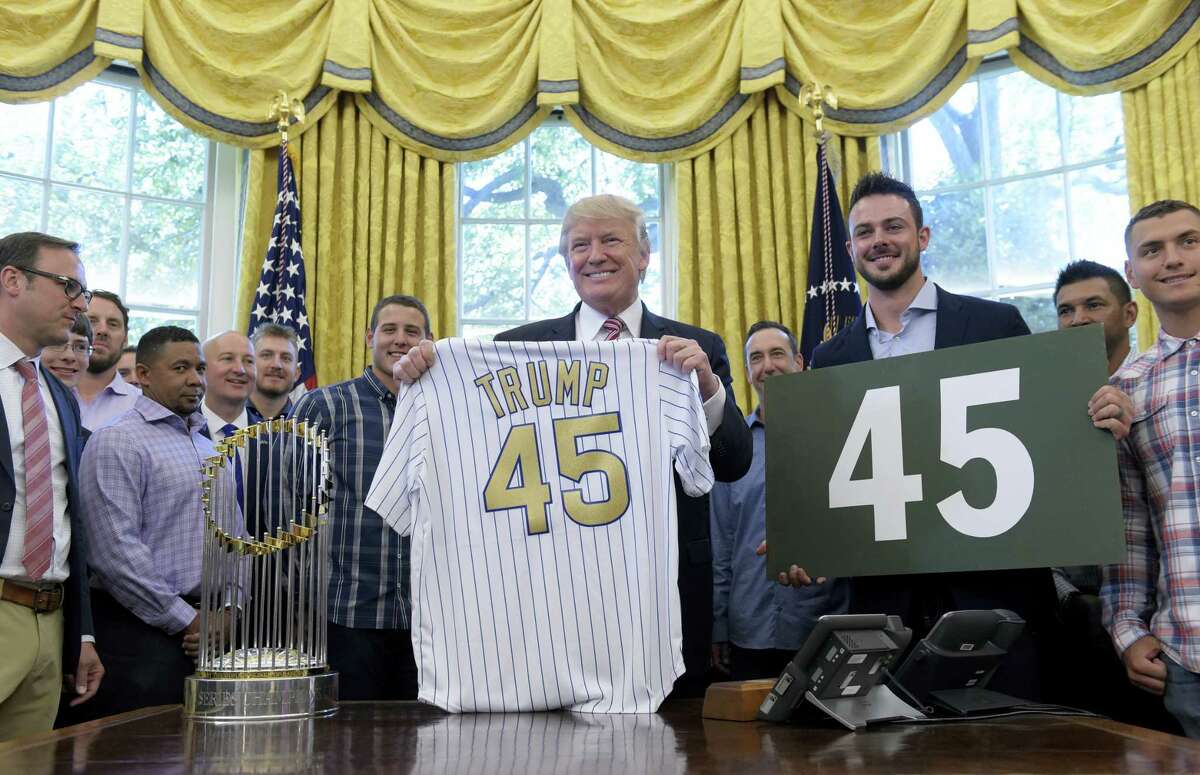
(889, 488)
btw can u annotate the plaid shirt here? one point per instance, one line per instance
(1156, 590)
(139, 487)
(368, 582)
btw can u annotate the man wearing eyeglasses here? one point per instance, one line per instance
(45, 608)
(68, 361)
(103, 394)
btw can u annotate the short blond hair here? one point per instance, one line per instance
(604, 206)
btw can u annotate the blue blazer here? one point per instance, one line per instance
(77, 606)
(731, 452)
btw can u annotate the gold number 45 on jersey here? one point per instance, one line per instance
(518, 482)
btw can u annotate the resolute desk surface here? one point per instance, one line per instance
(404, 737)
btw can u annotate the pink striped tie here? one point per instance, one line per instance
(39, 495)
(613, 326)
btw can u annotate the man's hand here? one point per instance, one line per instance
(1112, 410)
(688, 356)
(720, 656)
(795, 577)
(1144, 665)
(86, 678)
(414, 363)
(191, 638)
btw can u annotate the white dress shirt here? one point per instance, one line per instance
(589, 327)
(216, 424)
(11, 383)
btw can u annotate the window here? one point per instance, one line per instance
(108, 168)
(511, 208)
(1017, 179)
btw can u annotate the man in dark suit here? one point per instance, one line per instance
(907, 313)
(607, 250)
(45, 609)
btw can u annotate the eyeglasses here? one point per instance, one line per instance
(72, 287)
(79, 348)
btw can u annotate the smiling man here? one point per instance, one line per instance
(229, 359)
(277, 358)
(103, 394)
(140, 485)
(1152, 599)
(369, 600)
(69, 360)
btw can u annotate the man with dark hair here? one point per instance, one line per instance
(369, 597)
(758, 625)
(70, 359)
(1087, 292)
(46, 630)
(140, 485)
(905, 313)
(127, 363)
(1152, 598)
(103, 394)
(277, 360)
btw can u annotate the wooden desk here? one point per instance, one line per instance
(406, 737)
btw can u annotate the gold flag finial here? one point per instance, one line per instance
(815, 97)
(284, 112)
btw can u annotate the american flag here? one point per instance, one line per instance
(832, 298)
(280, 295)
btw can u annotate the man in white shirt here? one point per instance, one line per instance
(231, 374)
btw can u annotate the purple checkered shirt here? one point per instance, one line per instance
(1156, 590)
(139, 484)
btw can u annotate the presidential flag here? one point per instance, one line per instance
(832, 301)
(280, 295)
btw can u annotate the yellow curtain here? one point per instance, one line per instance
(1162, 145)
(377, 219)
(744, 210)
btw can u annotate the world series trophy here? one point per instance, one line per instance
(264, 585)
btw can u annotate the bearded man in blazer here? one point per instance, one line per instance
(607, 249)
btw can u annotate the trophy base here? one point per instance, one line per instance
(260, 699)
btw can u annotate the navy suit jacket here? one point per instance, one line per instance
(730, 454)
(77, 606)
(919, 599)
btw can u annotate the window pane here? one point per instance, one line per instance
(1037, 308)
(169, 161)
(1094, 127)
(164, 255)
(1030, 230)
(562, 170)
(94, 221)
(91, 136)
(20, 205)
(945, 148)
(630, 179)
(479, 331)
(1099, 205)
(957, 253)
(23, 138)
(1023, 121)
(651, 291)
(495, 187)
(551, 292)
(141, 321)
(493, 271)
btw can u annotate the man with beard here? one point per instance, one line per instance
(140, 486)
(276, 352)
(906, 313)
(369, 599)
(103, 394)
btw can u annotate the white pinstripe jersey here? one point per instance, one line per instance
(535, 479)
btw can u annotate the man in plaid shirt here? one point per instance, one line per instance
(1152, 599)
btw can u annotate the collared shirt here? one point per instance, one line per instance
(254, 416)
(1156, 589)
(216, 425)
(11, 384)
(918, 327)
(140, 489)
(114, 400)
(750, 609)
(589, 327)
(369, 562)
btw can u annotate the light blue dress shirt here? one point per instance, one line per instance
(918, 327)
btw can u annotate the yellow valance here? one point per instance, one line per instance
(656, 81)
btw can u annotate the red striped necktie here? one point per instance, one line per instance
(39, 494)
(613, 326)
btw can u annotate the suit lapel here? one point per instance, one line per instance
(6, 449)
(653, 327)
(562, 329)
(951, 321)
(858, 344)
(62, 399)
